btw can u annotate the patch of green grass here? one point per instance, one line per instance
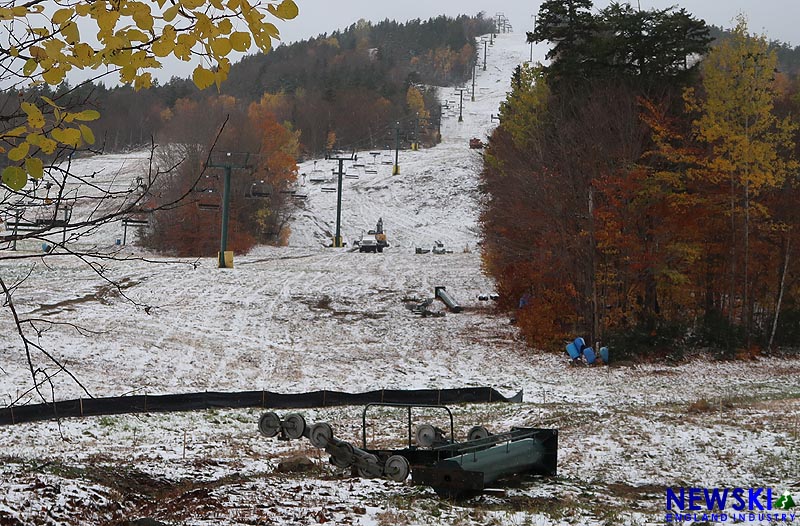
(107, 421)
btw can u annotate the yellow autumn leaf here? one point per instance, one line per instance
(223, 68)
(286, 10)
(35, 117)
(203, 27)
(53, 48)
(48, 145)
(163, 47)
(61, 16)
(127, 73)
(34, 167)
(107, 20)
(68, 136)
(84, 53)
(202, 77)
(182, 52)
(14, 177)
(86, 115)
(87, 134)
(70, 32)
(13, 51)
(225, 27)
(145, 80)
(50, 101)
(221, 46)
(171, 12)
(15, 132)
(37, 53)
(134, 35)
(240, 40)
(54, 76)
(143, 19)
(29, 67)
(192, 4)
(19, 152)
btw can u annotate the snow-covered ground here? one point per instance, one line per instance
(306, 317)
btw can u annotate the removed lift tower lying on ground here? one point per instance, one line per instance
(452, 468)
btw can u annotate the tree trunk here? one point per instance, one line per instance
(593, 269)
(780, 295)
(732, 289)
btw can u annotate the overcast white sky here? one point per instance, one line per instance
(777, 18)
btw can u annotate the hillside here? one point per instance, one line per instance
(307, 317)
(352, 83)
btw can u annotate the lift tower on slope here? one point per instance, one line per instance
(338, 156)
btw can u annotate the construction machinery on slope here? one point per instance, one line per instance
(374, 240)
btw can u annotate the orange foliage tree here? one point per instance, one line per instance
(259, 208)
(652, 218)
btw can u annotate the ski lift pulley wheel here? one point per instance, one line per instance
(320, 434)
(269, 424)
(397, 468)
(294, 425)
(344, 457)
(477, 433)
(371, 471)
(426, 435)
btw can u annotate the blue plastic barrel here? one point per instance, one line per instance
(588, 353)
(580, 344)
(573, 352)
(604, 354)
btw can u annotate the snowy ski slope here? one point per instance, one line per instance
(306, 317)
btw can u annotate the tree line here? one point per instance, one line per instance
(351, 83)
(641, 186)
(348, 89)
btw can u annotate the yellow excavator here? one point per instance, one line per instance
(377, 240)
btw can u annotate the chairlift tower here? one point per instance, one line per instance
(461, 104)
(474, 67)
(415, 144)
(396, 167)
(228, 165)
(337, 239)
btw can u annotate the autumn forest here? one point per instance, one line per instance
(347, 90)
(643, 186)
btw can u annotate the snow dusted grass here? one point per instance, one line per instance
(205, 467)
(303, 317)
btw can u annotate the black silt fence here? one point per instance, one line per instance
(117, 405)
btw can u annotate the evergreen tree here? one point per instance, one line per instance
(571, 28)
(648, 47)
